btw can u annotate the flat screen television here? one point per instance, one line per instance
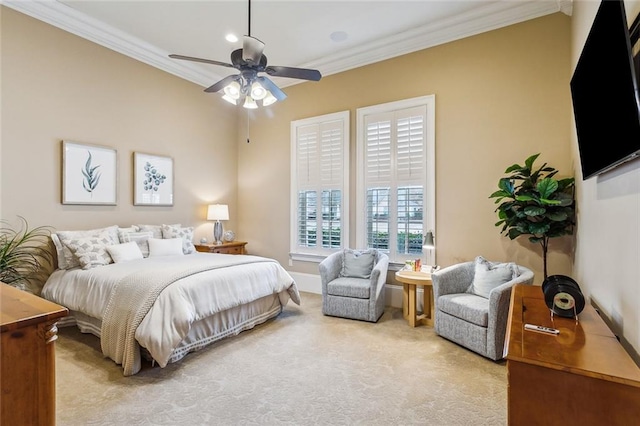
(604, 92)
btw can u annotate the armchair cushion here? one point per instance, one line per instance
(469, 307)
(489, 275)
(349, 287)
(357, 264)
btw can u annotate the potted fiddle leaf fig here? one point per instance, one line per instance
(533, 202)
(24, 253)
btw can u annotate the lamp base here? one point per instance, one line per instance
(217, 233)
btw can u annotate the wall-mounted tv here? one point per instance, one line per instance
(604, 91)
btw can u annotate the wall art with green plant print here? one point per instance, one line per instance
(89, 174)
(153, 180)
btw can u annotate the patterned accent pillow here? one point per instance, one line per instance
(156, 229)
(69, 259)
(140, 238)
(172, 231)
(91, 251)
(357, 264)
(489, 275)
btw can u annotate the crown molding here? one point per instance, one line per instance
(494, 15)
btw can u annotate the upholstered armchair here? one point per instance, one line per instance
(353, 284)
(472, 303)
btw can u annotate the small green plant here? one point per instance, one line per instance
(91, 175)
(533, 202)
(23, 253)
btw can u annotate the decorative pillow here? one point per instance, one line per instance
(172, 231)
(140, 238)
(62, 262)
(69, 259)
(156, 229)
(166, 247)
(124, 252)
(132, 228)
(91, 251)
(357, 264)
(489, 275)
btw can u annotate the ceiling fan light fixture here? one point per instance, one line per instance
(230, 99)
(257, 91)
(232, 90)
(269, 99)
(249, 103)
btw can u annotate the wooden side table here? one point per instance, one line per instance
(410, 281)
(233, 247)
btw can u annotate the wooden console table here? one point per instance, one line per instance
(28, 389)
(580, 376)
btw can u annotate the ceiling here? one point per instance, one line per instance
(331, 36)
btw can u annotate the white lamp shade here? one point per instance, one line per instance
(269, 99)
(250, 103)
(257, 91)
(218, 212)
(232, 90)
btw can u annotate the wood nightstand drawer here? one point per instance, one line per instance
(234, 247)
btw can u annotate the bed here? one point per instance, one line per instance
(163, 307)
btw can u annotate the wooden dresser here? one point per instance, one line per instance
(233, 247)
(581, 376)
(27, 357)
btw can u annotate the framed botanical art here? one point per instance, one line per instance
(152, 180)
(89, 174)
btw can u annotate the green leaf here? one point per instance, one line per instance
(557, 216)
(534, 211)
(529, 161)
(546, 187)
(514, 233)
(538, 228)
(525, 198)
(549, 202)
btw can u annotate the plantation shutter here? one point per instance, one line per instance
(394, 181)
(321, 164)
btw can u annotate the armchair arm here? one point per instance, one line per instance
(379, 274)
(330, 269)
(453, 279)
(499, 301)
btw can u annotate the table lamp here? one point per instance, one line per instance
(218, 212)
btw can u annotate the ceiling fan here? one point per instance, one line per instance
(249, 85)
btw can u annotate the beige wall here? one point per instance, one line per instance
(58, 86)
(607, 259)
(500, 97)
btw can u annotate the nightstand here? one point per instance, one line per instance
(233, 247)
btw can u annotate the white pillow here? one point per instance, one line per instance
(172, 231)
(156, 229)
(125, 252)
(489, 275)
(165, 247)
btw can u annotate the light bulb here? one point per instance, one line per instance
(269, 99)
(232, 90)
(257, 91)
(230, 99)
(250, 103)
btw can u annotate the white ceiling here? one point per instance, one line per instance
(296, 32)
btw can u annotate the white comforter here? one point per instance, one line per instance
(180, 304)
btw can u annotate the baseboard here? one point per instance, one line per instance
(310, 283)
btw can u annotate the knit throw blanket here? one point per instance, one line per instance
(134, 296)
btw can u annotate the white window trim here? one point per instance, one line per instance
(430, 137)
(294, 252)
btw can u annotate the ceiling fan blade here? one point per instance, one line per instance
(291, 72)
(222, 83)
(252, 49)
(205, 61)
(271, 86)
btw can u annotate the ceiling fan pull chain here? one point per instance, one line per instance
(247, 126)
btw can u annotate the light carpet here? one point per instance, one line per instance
(301, 368)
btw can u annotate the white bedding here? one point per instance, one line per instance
(182, 303)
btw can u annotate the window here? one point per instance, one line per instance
(396, 177)
(319, 185)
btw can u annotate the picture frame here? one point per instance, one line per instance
(89, 174)
(152, 180)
